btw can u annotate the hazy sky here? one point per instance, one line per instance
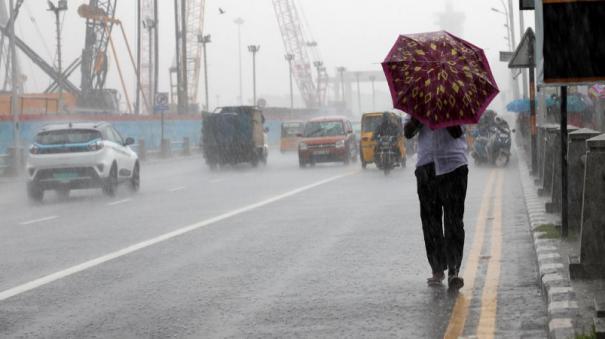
(352, 33)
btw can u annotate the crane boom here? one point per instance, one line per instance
(195, 28)
(94, 56)
(294, 43)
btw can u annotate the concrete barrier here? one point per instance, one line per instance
(549, 158)
(576, 160)
(592, 242)
(555, 204)
(166, 148)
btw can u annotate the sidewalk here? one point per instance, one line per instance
(571, 307)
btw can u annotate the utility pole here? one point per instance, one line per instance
(341, 70)
(254, 49)
(318, 65)
(358, 93)
(60, 7)
(205, 39)
(239, 22)
(137, 102)
(290, 58)
(14, 91)
(150, 25)
(373, 79)
(523, 72)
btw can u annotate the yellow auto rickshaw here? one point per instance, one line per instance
(367, 144)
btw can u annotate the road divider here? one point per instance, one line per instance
(162, 238)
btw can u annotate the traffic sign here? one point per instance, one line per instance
(161, 102)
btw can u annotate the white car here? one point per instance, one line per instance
(70, 156)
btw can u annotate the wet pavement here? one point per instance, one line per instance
(330, 251)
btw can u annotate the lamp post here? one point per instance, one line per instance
(239, 22)
(289, 59)
(150, 25)
(14, 91)
(60, 7)
(512, 43)
(205, 39)
(318, 65)
(373, 79)
(358, 92)
(341, 70)
(254, 49)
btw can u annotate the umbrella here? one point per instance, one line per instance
(518, 106)
(575, 103)
(598, 91)
(439, 78)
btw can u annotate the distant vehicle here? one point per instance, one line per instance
(80, 155)
(233, 135)
(289, 135)
(368, 144)
(327, 139)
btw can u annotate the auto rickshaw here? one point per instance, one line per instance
(369, 123)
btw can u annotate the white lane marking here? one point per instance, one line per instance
(216, 180)
(119, 202)
(39, 220)
(176, 189)
(167, 236)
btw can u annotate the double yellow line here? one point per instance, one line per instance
(489, 297)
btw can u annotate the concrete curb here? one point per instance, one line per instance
(556, 286)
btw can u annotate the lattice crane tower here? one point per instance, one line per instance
(295, 44)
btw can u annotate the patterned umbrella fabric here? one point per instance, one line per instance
(598, 91)
(518, 106)
(440, 79)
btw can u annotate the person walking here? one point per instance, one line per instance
(441, 176)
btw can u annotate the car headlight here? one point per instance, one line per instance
(340, 144)
(34, 149)
(302, 146)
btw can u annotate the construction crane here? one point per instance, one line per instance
(295, 43)
(5, 61)
(189, 15)
(94, 63)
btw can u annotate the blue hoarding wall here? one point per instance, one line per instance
(146, 128)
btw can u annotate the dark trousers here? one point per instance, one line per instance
(442, 212)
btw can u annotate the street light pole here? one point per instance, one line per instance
(60, 7)
(358, 93)
(14, 91)
(205, 39)
(239, 22)
(341, 70)
(150, 25)
(253, 49)
(318, 65)
(290, 58)
(372, 79)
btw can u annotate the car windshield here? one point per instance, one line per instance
(291, 129)
(371, 122)
(67, 136)
(323, 129)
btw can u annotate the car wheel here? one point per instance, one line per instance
(135, 180)
(34, 193)
(111, 183)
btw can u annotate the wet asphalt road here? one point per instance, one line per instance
(331, 251)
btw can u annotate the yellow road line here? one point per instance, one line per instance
(489, 298)
(460, 311)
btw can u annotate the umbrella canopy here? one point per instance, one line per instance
(439, 78)
(598, 91)
(575, 103)
(518, 106)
